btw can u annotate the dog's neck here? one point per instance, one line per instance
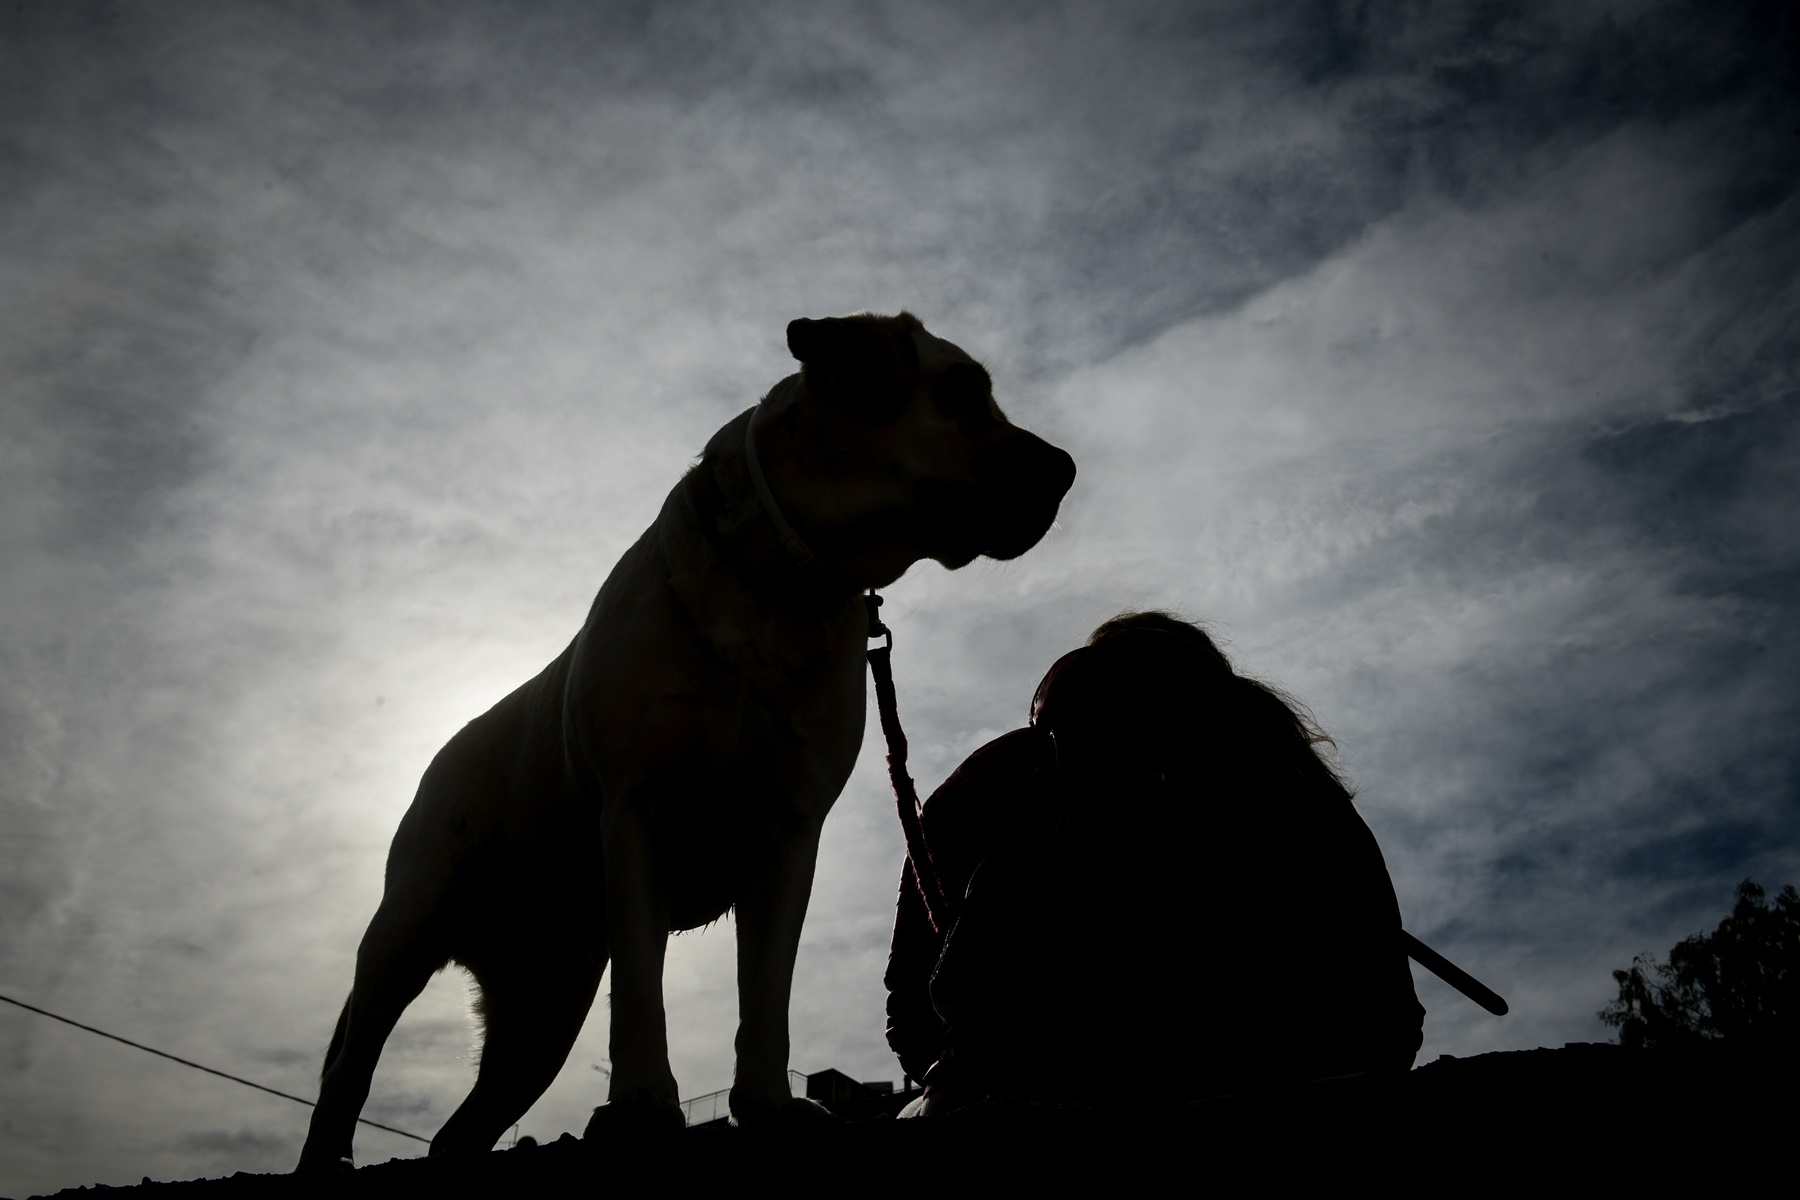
(791, 541)
(744, 520)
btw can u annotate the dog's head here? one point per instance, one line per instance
(896, 451)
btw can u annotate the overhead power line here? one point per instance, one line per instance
(44, 1012)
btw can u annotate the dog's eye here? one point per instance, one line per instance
(965, 389)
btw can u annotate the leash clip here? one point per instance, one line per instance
(872, 606)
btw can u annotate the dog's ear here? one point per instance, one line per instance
(856, 360)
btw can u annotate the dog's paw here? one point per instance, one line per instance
(324, 1164)
(779, 1112)
(639, 1114)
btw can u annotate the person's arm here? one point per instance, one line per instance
(914, 1032)
(959, 824)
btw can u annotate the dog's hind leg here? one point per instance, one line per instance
(532, 1009)
(393, 964)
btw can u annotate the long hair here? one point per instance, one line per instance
(1150, 679)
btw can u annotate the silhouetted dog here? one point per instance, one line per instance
(678, 759)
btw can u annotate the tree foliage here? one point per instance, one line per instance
(1742, 981)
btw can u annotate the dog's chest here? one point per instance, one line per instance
(719, 746)
(759, 751)
(775, 700)
(748, 775)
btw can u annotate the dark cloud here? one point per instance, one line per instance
(122, 402)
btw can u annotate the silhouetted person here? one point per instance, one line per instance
(1157, 890)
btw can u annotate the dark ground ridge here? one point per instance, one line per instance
(1587, 1111)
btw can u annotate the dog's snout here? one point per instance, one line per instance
(1031, 467)
(1024, 479)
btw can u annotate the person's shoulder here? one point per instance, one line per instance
(1019, 749)
(1007, 758)
(984, 799)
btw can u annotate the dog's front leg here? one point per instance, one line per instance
(643, 1094)
(770, 911)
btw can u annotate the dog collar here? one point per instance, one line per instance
(797, 549)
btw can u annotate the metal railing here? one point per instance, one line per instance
(714, 1105)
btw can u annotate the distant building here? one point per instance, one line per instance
(840, 1094)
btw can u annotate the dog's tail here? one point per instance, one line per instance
(337, 1039)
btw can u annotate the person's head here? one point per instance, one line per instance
(1135, 620)
(1152, 689)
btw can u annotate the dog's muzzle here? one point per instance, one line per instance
(1021, 481)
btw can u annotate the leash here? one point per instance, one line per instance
(906, 796)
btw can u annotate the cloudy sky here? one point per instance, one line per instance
(1440, 357)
